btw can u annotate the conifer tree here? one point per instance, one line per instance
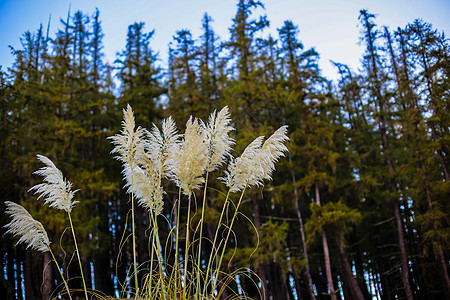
(140, 76)
(293, 107)
(185, 98)
(425, 135)
(376, 88)
(209, 91)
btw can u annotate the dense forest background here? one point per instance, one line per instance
(359, 208)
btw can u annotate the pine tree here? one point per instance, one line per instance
(425, 135)
(293, 108)
(375, 88)
(140, 76)
(185, 96)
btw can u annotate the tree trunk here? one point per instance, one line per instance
(353, 284)
(360, 272)
(437, 248)
(375, 86)
(19, 263)
(403, 253)
(260, 268)
(263, 278)
(29, 293)
(394, 200)
(278, 282)
(443, 269)
(326, 254)
(302, 234)
(305, 252)
(47, 280)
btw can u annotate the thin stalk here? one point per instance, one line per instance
(157, 247)
(134, 247)
(151, 260)
(217, 234)
(228, 235)
(201, 233)
(149, 288)
(176, 241)
(78, 255)
(186, 252)
(60, 273)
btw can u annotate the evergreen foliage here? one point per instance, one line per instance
(359, 208)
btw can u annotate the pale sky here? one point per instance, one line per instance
(331, 27)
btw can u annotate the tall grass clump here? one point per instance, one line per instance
(187, 160)
(58, 193)
(30, 232)
(150, 160)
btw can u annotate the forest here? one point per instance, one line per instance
(358, 207)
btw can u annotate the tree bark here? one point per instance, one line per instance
(403, 253)
(305, 251)
(29, 293)
(260, 268)
(353, 284)
(47, 284)
(437, 248)
(302, 234)
(376, 88)
(326, 254)
(443, 269)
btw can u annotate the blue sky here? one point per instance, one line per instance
(329, 26)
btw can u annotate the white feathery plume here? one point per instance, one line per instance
(158, 145)
(241, 169)
(154, 166)
(272, 149)
(218, 139)
(129, 143)
(148, 193)
(56, 190)
(257, 162)
(188, 159)
(30, 231)
(141, 169)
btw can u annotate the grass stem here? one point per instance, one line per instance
(78, 255)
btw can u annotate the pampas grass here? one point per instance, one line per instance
(29, 231)
(189, 158)
(218, 141)
(148, 158)
(129, 146)
(257, 162)
(58, 193)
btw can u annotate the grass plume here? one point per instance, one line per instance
(257, 162)
(219, 141)
(188, 159)
(30, 231)
(56, 191)
(147, 158)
